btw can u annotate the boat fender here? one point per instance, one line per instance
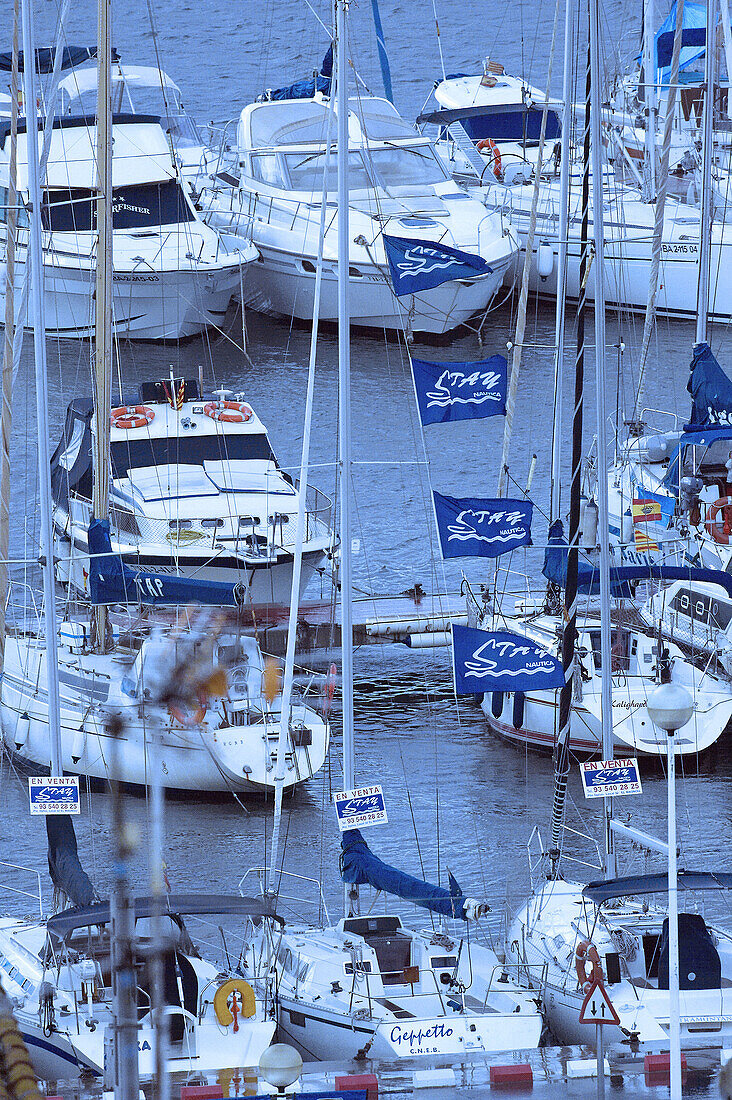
(587, 952)
(626, 529)
(518, 709)
(488, 145)
(243, 1005)
(544, 260)
(228, 412)
(720, 531)
(132, 416)
(657, 448)
(497, 704)
(78, 744)
(22, 729)
(589, 525)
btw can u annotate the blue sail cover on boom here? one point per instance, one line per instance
(621, 576)
(360, 866)
(112, 581)
(693, 38)
(306, 88)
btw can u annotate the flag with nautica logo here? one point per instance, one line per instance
(460, 391)
(420, 265)
(501, 661)
(481, 527)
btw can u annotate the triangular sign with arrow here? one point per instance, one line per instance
(597, 1007)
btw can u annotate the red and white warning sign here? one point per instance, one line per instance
(597, 1008)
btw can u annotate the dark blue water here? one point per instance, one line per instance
(456, 795)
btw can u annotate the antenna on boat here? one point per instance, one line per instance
(102, 373)
(344, 411)
(39, 350)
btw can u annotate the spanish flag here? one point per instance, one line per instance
(647, 511)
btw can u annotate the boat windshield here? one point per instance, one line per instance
(141, 205)
(132, 454)
(385, 168)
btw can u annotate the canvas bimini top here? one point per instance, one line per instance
(631, 885)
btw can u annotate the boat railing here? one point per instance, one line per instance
(35, 896)
(20, 604)
(264, 877)
(220, 138)
(672, 416)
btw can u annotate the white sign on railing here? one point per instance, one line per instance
(610, 777)
(360, 808)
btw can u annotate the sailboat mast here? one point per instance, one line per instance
(705, 199)
(649, 98)
(103, 308)
(344, 391)
(39, 351)
(564, 166)
(569, 636)
(606, 698)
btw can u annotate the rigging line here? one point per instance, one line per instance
(650, 316)
(524, 294)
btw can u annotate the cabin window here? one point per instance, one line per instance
(266, 169)
(402, 166)
(305, 171)
(141, 205)
(22, 218)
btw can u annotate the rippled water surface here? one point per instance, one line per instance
(457, 796)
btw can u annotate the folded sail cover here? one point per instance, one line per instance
(711, 392)
(460, 391)
(420, 265)
(306, 88)
(360, 866)
(64, 865)
(481, 527)
(111, 581)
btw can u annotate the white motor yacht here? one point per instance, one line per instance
(397, 186)
(196, 491)
(172, 275)
(58, 972)
(109, 710)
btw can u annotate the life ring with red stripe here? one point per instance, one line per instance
(489, 145)
(228, 412)
(587, 952)
(720, 532)
(132, 416)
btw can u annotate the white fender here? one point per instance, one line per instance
(22, 729)
(78, 744)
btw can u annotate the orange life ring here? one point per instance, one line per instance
(587, 952)
(490, 145)
(192, 718)
(132, 416)
(230, 412)
(720, 532)
(246, 1006)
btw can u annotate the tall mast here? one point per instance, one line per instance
(705, 202)
(39, 350)
(569, 636)
(344, 391)
(564, 167)
(606, 698)
(103, 305)
(649, 98)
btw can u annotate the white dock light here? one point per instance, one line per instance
(280, 1065)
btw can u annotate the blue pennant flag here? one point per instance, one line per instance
(460, 391)
(421, 265)
(501, 661)
(481, 527)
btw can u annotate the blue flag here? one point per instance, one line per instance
(481, 527)
(460, 391)
(501, 661)
(421, 265)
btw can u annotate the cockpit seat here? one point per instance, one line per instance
(699, 964)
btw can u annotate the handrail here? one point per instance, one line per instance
(24, 893)
(262, 873)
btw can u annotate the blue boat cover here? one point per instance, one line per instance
(693, 37)
(711, 392)
(64, 865)
(360, 866)
(621, 576)
(306, 88)
(112, 581)
(45, 56)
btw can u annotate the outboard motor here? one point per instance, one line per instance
(689, 490)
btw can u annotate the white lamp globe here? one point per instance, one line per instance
(670, 706)
(280, 1065)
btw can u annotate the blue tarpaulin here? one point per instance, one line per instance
(460, 391)
(711, 392)
(306, 88)
(361, 867)
(112, 581)
(693, 38)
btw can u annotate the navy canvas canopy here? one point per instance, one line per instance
(307, 87)
(360, 866)
(45, 56)
(711, 392)
(602, 890)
